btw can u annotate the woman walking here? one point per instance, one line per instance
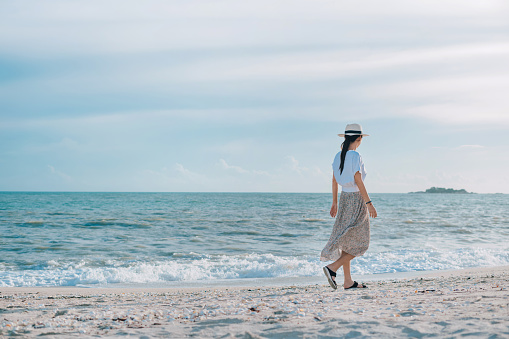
(350, 235)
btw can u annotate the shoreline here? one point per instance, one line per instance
(472, 301)
(248, 282)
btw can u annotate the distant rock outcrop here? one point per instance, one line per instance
(444, 190)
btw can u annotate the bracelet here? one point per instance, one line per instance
(369, 202)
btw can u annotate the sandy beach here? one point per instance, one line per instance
(473, 302)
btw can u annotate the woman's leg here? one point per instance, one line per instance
(347, 277)
(348, 281)
(343, 259)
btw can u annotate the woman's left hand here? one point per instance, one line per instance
(372, 210)
(334, 210)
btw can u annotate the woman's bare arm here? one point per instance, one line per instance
(334, 208)
(364, 193)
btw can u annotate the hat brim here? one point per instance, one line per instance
(364, 135)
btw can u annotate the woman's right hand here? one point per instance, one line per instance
(372, 210)
(334, 210)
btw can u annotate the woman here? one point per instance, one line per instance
(350, 235)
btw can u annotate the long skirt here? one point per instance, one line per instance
(351, 229)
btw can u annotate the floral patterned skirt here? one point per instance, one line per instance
(351, 229)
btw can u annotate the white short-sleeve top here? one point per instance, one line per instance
(353, 164)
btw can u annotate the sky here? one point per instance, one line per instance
(249, 96)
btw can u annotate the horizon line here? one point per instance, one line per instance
(218, 192)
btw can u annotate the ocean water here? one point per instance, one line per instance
(158, 239)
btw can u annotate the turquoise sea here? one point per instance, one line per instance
(158, 239)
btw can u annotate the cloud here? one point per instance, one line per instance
(184, 171)
(462, 147)
(475, 147)
(287, 176)
(318, 65)
(224, 165)
(98, 27)
(237, 169)
(479, 114)
(177, 178)
(471, 99)
(295, 167)
(270, 85)
(177, 174)
(294, 164)
(65, 177)
(189, 175)
(159, 117)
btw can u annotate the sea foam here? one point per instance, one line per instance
(250, 266)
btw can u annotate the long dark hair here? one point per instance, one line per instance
(344, 148)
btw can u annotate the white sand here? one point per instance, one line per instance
(472, 302)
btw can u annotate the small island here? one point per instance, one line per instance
(444, 190)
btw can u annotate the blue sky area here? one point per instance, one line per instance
(250, 96)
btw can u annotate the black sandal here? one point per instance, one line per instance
(329, 274)
(356, 285)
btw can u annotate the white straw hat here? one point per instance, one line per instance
(353, 129)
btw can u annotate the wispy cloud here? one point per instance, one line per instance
(224, 165)
(322, 65)
(174, 178)
(469, 99)
(237, 169)
(169, 25)
(475, 147)
(67, 178)
(295, 166)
